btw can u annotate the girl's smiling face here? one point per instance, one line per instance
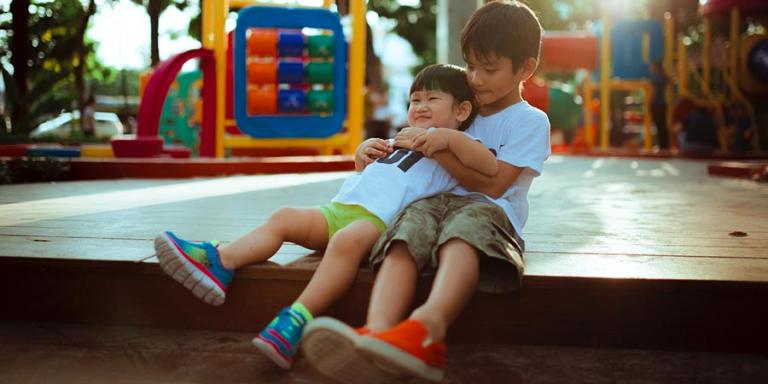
(434, 109)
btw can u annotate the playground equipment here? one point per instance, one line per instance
(737, 74)
(620, 57)
(289, 94)
(182, 115)
(290, 83)
(621, 52)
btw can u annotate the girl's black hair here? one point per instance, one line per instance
(450, 79)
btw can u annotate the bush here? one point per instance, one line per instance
(32, 170)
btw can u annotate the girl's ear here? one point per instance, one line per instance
(464, 111)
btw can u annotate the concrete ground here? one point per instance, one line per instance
(71, 353)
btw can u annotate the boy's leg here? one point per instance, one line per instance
(207, 271)
(471, 230)
(415, 346)
(452, 288)
(333, 277)
(393, 288)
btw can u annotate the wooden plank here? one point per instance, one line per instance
(598, 312)
(646, 267)
(641, 267)
(77, 248)
(91, 169)
(596, 248)
(74, 248)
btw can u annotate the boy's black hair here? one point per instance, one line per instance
(504, 28)
(450, 79)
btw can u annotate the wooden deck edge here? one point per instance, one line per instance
(736, 169)
(91, 169)
(567, 311)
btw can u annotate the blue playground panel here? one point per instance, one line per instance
(273, 126)
(53, 152)
(290, 44)
(627, 48)
(291, 72)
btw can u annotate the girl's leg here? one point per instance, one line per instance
(303, 226)
(457, 275)
(393, 289)
(339, 265)
(335, 274)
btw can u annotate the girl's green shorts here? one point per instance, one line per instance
(340, 215)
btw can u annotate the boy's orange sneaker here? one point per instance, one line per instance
(329, 346)
(403, 350)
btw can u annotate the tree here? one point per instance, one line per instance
(83, 49)
(154, 9)
(415, 24)
(20, 46)
(48, 61)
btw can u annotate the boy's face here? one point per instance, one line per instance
(428, 109)
(495, 82)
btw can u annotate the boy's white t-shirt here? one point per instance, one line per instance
(390, 184)
(519, 135)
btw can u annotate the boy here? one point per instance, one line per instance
(469, 239)
(347, 227)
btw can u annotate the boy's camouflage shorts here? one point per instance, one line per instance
(428, 223)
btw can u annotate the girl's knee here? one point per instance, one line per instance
(283, 216)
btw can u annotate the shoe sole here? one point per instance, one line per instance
(330, 347)
(177, 265)
(395, 359)
(269, 350)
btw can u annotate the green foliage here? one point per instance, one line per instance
(415, 24)
(154, 9)
(563, 15)
(117, 82)
(52, 60)
(418, 24)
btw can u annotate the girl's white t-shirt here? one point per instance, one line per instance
(390, 184)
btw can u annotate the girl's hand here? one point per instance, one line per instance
(405, 137)
(370, 150)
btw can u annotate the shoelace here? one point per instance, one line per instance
(286, 324)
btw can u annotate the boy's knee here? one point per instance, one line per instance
(398, 253)
(456, 246)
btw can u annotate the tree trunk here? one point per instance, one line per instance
(82, 53)
(20, 48)
(153, 9)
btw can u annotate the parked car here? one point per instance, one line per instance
(107, 125)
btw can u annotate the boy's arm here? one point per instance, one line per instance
(470, 179)
(468, 151)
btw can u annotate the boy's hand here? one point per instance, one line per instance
(405, 137)
(430, 142)
(370, 150)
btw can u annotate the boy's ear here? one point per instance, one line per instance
(465, 110)
(529, 67)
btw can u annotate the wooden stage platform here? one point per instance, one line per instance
(622, 253)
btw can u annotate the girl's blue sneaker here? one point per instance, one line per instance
(280, 339)
(196, 265)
